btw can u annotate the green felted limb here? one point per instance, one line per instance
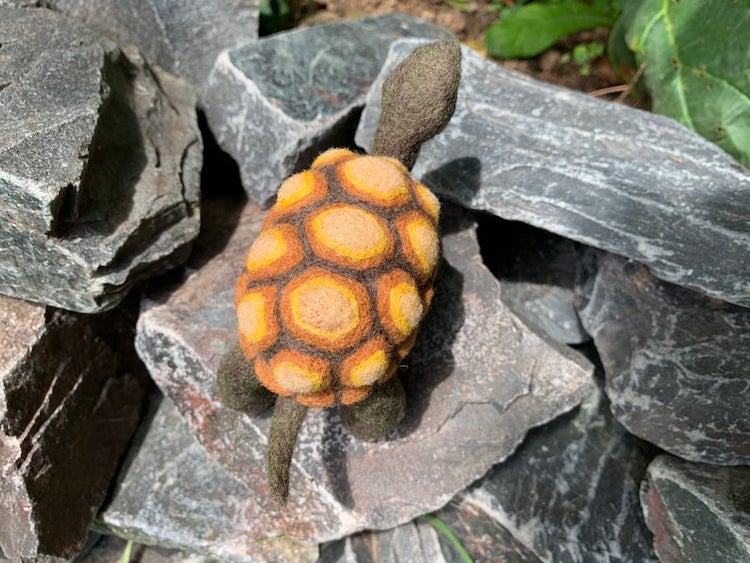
(287, 419)
(238, 386)
(418, 100)
(377, 414)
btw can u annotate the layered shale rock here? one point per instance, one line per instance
(70, 399)
(171, 493)
(425, 540)
(99, 164)
(109, 548)
(416, 542)
(697, 512)
(477, 380)
(570, 492)
(182, 37)
(676, 361)
(623, 180)
(275, 103)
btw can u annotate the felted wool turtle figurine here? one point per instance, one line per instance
(335, 285)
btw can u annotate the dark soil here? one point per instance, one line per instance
(470, 25)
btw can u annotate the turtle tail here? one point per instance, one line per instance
(286, 422)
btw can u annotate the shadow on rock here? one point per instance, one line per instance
(458, 180)
(222, 202)
(339, 136)
(115, 161)
(431, 360)
(333, 452)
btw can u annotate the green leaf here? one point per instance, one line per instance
(697, 55)
(460, 5)
(533, 28)
(585, 53)
(125, 557)
(616, 5)
(620, 55)
(440, 526)
(274, 16)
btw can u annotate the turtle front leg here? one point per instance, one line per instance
(238, 386)
(377, 414)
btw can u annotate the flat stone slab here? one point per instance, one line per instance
(172, 494)
(570, 491)
(43, 145)
(100, 157)
(65, 420)
(474, 367)
(275, 103)
(616, 178)
(182, 37)
(697, 512)
(676, 361)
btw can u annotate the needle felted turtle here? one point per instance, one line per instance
(334, 287)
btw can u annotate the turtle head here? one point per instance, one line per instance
(418, 100)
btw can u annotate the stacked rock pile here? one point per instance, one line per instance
(582, 375)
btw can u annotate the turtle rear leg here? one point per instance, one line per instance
(377, 414)
(238, 385)
(241, 390)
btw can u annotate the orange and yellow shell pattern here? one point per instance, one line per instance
(336, 284)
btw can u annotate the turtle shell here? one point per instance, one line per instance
(340, 276)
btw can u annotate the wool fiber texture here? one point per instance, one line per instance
(334, 287)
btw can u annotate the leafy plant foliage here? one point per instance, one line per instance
(697, 64)
(274, 16)
(440, 526)
(527, 30)
(583, 54)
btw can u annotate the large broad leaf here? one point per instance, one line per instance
(621, 57)
(697, 55)
(533, 28)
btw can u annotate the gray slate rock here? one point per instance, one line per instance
(474, 366)
(100, 158)
(537, 271)
(274, 104)
(481, 535)
(570, 492)
(415, 542)
(677, 362)
(172, 494)
(548, 307)
(70, 399)
(52, 75)
(182, 37)
(616, 178)
(420, 541)
(108, 548)
(697, 512)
